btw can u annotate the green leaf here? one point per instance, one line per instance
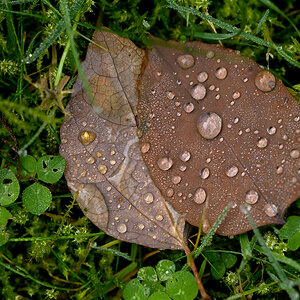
(50, 168)
(3, 237)
(218, 267)
(294, 241)
(4, 216)
(29, 164)
(291, 227)
(36, 198)
(165, 269)
(182, 286)
(228, 259)
(9, 187)
(160, 296)
(148, 275)
(134, 290)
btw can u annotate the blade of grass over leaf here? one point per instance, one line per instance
(172, 4)
(113, 251)
(262, 21)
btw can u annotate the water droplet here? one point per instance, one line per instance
(205, 225)
(262, 143)
(99, 154)
(159, 217)
(209, 125)
(170, 192)
(210, 54)
(122, 228)
(265, 81)
(221, 73)
(102, 169)
(90, 160)
(178, 82)
(185, 156)
(170, 95)
(86, 137)
(182, 168)
(185, 61)
(64, 141)
(204, 173)
(176, 179)
(198, 91)
(279, 170)
(211, 87)
(141, 226)
(271, 210)
(232, 171)
(145, 147)
(148, 198)
(295, 153)
(245, 80)
(199, 196)
(236, 120)
(251, 197)
(236, 95)
(271, 130)
(202, 77)
(218, 96)
(188, 107)
(165, 163)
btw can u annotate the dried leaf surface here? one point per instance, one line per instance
(104, 166)
(219, 129)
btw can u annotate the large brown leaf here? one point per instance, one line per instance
(219, 129)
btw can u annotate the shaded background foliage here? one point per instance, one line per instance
(61, 262)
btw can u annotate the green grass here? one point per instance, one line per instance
(62, 254)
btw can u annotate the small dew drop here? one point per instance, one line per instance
(185, 156)
(295, 153)
(221, 73)
(271, 130)
(209, 125)
(271, 210)
(236, 95)
(185, 61)
(122, 228)
(251, 197)
(141, 226)
(204, 173)
(148, 198)
(170, 95)
(145, 147)
(202, 77)
(159, 217)
(198, 91)
(86, 137)
(176, 179)
(210, 54)
(279, 170)
(170, 192)
(165, 163)
(236, 120)
(232, 171)
(188, 107)
(90, 160)
(262, 143)
(199, 196)
(102, 169)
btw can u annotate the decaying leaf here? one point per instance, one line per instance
(104, 164)
(219, 129)
(212, 128)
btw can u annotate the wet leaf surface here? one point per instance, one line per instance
(212, 128)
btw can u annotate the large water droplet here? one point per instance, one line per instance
(145, 147)
(198, 91)
(295, 153)
(271, 210)
(271, 130)
(122, 228)
(221, 73)
(165, 163)
(188, 107)
(204, 173)
(86, 137)
(185, 61)
(251, 197)
(202, 77)
(185, 156)
(209, 125)
(265, 81)
(262, 143)
(232, 171)
(148, 198)
(199, 196)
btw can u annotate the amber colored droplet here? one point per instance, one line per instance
(209, 125)
(232, 171)
(221, 73)
(202, 77)
(159, 217)
(86, 137)
(262, 143)
(271, 210)
(102, 169)
(251, 197)
(145, 147)
(198, 91)
(90, 160)
(295, 153)
(165, 163)
(204, 173)
(265, 81)
(185, 61)
(122, 228)
(200, 196)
